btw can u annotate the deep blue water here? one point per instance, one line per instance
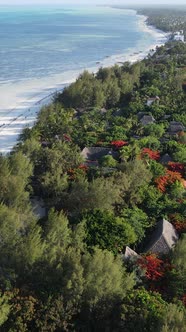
(40, 42)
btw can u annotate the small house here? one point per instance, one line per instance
(147, 119)
(165, 159)
(129, 253)
(92, 155)
(175, 127)
(152, 100)
(179, 36)
(163, 239)
(95, 153)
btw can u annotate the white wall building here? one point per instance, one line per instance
(179, 36)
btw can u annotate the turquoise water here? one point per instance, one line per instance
(38, 42)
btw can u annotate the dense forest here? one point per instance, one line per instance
(166, 19)
(64, 270)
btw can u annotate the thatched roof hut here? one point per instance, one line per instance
(163, 239)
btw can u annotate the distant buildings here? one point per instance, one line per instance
(147, 119)
(179, 36)
(95, 153)
(175, 127)
(152, 100)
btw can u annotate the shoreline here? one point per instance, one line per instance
(24, 114)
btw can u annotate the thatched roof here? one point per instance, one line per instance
(95, 153)
(141, 114)
(163, 239)
(129, 253)
(165, 159)
(175, 127)
(150, 101)
(147, 119)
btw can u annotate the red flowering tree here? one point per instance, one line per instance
(151, 154)
(183, 299)
(153, 266)
(177, 167)
(118, 144)
(73, 173)
(169, 178)
(67, 138)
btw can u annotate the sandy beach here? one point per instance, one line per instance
(21, 102)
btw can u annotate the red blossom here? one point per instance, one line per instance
(153, 266)
(118, 144)
(180, 227)
(183, 299)
(176, 167)
(178, 221)
(67, 138)
(154, 155)
(169, 178)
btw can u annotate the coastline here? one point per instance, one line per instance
(24, 114)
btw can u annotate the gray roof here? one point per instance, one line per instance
(175, 127)
(165, 159)
(141, 114)
(147, 119)
(163, 239)
(95, 153)
(151, 100)
(130, 253)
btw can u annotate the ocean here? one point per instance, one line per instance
(44, 48)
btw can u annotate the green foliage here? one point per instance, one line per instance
(105, 230)
(144, 310)
(156, 130)
(174, 319)
(5, 307)
(102, 272)
(57, 235)
(65, 266)
(108, 161)
(101, 193)
(15, 172)
(138, 220)
(21, 243)
(180, 154)
(178, 274)
(132, 179)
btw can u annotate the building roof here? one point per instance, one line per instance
(165, 159)
(147, 119)
(130, 253)
(151, 100)
(175, 127)
(179, 38)
(163, 239)
(141, 114)
(95, 153)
